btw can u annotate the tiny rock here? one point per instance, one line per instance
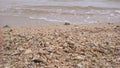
(116, 27)
(6, 26)
(36, 60)
(66, 23)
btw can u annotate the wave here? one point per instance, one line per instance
(48, 19)
(59, 10)
(70, 7)
(62, 10)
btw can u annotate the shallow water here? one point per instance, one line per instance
(59, 11)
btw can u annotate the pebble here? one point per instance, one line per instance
(66, 23)
(37, 61)
(6, 26)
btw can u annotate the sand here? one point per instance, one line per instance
(62, 46)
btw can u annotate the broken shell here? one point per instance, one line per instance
(28, 51)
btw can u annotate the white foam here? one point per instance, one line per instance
(42, 18)
(53, 20)
(88, 17)
(112, 14)
(118, 11)
(31, 17)
(72, 11)
(47, 19)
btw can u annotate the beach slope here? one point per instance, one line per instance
(62, 46)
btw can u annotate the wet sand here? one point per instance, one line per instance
(62, 46)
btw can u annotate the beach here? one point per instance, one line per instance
(59, 33)
(95, 45)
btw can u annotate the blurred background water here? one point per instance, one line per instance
(47, 11)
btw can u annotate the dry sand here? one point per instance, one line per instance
(62, 46)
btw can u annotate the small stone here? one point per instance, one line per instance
(117, 26)
(6, 26)
(66, 23)
(36, 61)
(107, 43)
(10, 30)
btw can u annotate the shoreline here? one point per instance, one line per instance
(55, 23)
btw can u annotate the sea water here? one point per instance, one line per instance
(21, 12)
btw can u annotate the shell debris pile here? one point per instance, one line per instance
(61, 46)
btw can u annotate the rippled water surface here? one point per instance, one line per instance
(59, 11)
